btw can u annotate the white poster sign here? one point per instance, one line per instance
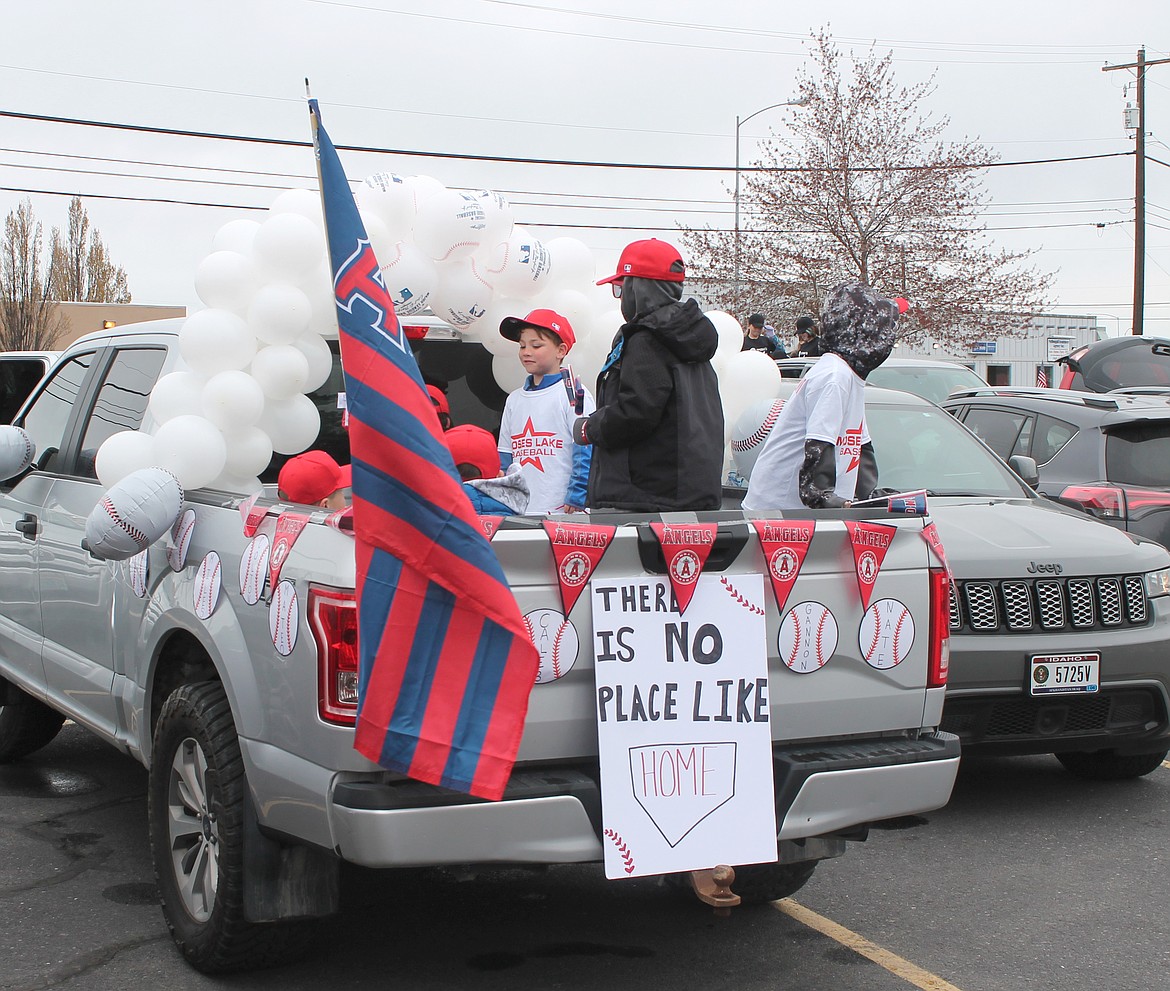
(1058, 347)
(683, 725)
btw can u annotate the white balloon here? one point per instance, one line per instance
(177, 394)
(248, 452)
(237, 236)
(499, 218)
(461, 296)
(746, 378)
(122, 453)
(215, 340)
(410, 277)
(149, 500)
(279, 313)
(380, 238)
(509, 373)
(191, 448)
(289, 245)
(575, 307)
(320, 360)
(232, 400)
(17, 451)
(422, 188)
(281, 371)
(387, 196)
(519, 267)
(238, 485)
(226, 280)
(291, 424)
(730, 332)
(572, 264)
(305, 202)
(450, 225)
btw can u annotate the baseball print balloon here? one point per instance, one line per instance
(284, 614)
(180, 540)
(808, 637)
(208, 582)
(886, 634)
(139, 568)
(254, 568)
(555, 638)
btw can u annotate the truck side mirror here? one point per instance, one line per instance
(1026, 468)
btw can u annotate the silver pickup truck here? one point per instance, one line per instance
(256, 794)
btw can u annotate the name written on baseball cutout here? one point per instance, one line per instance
(683, 723)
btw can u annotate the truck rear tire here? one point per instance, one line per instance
(196, 816)
(26, 725)
(1109, 765)
(758, 884)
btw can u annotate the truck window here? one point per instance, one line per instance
(48, 416)
(121, 401)
(18, 378)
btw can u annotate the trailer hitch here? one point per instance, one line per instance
(713, 886)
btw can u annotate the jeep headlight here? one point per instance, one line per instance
(1158, 582)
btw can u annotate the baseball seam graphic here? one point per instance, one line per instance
(821, 638)
(528, 629)
(897, 634)
(136, 535)
(457, 245)
(760, 433)
(29, 451)
(795, 640)
(289, 611)
(246, 584)
(627, 857)
(877, 634)
(734, 593)
(556, 650)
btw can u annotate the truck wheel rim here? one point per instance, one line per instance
(193, 831)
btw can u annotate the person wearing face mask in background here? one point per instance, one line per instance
(819, 455)
(657, 433)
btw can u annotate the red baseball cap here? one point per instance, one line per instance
(550, 320)
(473, 445)
(439, 399)
(310, 477)
(652, 259)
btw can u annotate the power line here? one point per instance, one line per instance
(460, 156)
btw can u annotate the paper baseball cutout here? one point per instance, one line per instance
(284, 615)
(16, 451)
(254, 568)
(886, 634)
(133, 514)
(808, 637)
(180, 540)
(139, 568)
(208, 581)
(555, 638)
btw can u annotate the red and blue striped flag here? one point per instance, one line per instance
(446, 667)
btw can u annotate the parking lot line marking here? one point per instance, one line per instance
(897, 966)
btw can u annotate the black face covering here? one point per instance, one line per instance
(859, 325)
(641, 297)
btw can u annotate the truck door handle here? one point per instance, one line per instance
(29, 526)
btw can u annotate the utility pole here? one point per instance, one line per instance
(1139, 188)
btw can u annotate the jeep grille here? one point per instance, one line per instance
(1048, 604)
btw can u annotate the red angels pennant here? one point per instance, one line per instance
(490, 525)
(341, 520)
(577, 548)
(251, 514)
(685, 547)
(288, 528)
(785, 545)
(930, 535)
(870, 542)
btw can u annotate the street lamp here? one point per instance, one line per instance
(739, 122)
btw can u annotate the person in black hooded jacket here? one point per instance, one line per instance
(657, 434)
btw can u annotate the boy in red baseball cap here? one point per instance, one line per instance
(314, 479)
(536, 431)
(473, 450)
(658, 429)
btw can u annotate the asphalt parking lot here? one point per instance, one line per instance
(1028, 880)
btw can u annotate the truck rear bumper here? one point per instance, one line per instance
(553, 816)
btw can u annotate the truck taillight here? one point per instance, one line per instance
(938, 662)
(1106, 502)
(333, 620)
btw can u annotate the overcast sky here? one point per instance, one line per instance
(608, 82)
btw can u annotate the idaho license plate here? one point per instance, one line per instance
(1064, 674)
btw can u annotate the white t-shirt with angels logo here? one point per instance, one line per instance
(537, 430)
(829, 404)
